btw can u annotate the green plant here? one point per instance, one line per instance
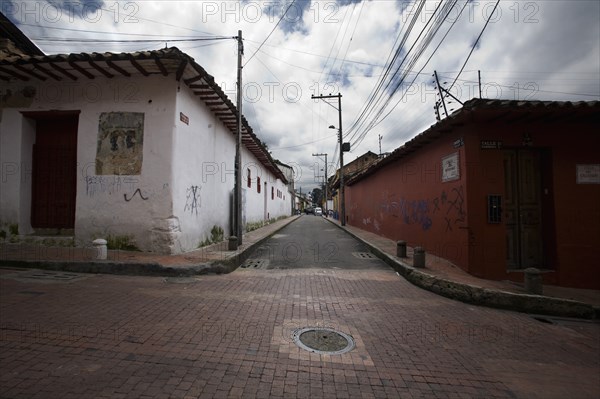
(13, 229)
(123, 242)
(217, 234)
(2, 234)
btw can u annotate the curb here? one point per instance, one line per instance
(221, 266)
(525, 303)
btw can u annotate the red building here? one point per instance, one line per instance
(497, 187)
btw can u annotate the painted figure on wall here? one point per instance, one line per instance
(120, 143)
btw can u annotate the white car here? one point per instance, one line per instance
(318, 211)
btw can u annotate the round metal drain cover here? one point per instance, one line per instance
(323, 340)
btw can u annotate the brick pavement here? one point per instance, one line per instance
(442, 268)
(104, 336)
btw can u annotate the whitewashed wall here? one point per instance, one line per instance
(187, 172)
(203, 175)
(101, 206)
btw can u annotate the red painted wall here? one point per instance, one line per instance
(407, 201)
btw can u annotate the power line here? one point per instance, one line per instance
(273, 30)
(475, 44)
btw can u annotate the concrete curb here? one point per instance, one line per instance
(219, 266)
(535, 304)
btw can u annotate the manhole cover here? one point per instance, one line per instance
(364, 255)
(255, 264)
(322, 340)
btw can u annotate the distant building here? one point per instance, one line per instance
(350, 169)
(288, 172)
(496, 187)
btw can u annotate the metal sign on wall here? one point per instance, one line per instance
(588, 174)
(450, 167)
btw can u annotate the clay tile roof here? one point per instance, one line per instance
(168, 61)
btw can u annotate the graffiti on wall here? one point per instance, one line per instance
(120, 143)
(137, 191)
(95, 185)
(192, 200)
(450, 206)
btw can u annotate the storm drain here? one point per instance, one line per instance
(364, 255)
(255, 264)
(49, 275)
(325, 341)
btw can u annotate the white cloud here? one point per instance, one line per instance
(530, 49)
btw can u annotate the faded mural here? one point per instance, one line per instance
(120, 143)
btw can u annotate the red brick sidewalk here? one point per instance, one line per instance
(444, 269)
(205, 255)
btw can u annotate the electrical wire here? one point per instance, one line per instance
(273, 30)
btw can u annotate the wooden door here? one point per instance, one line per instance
(54, 174)
(523, 209)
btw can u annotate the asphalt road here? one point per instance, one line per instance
(69, 335)
(313, 242)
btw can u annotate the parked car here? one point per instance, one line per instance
(309, 210)
(318, 211)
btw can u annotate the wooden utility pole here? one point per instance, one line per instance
(237, 202)
(342, 197)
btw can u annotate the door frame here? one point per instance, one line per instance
(546, 208)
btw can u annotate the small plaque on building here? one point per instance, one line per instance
(450, 167)
(184, 118)
(588, 174)
(458, 143)
(491, 144)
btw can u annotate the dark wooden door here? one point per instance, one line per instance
(523, 209)
(54, 175)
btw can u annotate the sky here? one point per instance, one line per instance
(379, 55)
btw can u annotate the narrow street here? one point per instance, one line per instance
(313, 242)
(69, 335)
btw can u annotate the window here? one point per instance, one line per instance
(272, 193)
(249, 179)
(258, 184)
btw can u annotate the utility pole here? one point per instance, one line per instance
(380, 137)
(479, 79)
(320, 155)
(237, 202)
(342, 198)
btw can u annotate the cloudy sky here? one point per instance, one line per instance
(380, 55)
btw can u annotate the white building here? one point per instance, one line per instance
(137, 145)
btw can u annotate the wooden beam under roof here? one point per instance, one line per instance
(81, 70)
(30, 72)
(161, 66)
(180, 70)
(101, 70)
(14, 74)
(63, 71)
(117, 68)
(37, 66)
(138, 66)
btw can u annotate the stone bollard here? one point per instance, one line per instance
(401, 249)
(101, 250)
(233, 243)
(533, 281)
(419, 257)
